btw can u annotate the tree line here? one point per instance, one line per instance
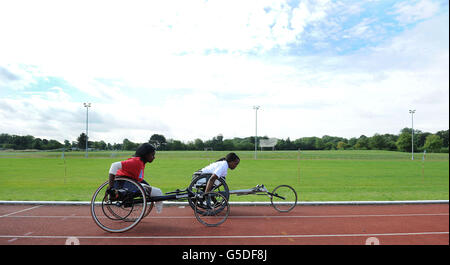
(437, 142)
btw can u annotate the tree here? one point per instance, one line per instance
(404, 142)
(5, 138)
(217, 142)
(158, 141)
(341, 145)
(352, 142)
(433, 143)
(377, 142)
(421, 139)
(129, 145)
(362, 143)
(309, 143)
(82, 141)
(116, 146)
(318, 143)
(228, 144)
(444, 137)
(100, 145)
(198, 144)
(175, 145)
(22, 142)
(53, 144)
(66, 144)
(37, 144)
(390, 140)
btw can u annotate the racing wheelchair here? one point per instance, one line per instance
(283, 198)
(123, 206)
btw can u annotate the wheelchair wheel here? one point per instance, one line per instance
(198, 186)
(121, 214)
(150, 204)
(283, 198)
(211, 209)
(149, 208)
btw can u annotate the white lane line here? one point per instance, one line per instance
(345, 216)
(31, 208)
(250, 216)
(15, 238)
(229, 237)
(66, 217)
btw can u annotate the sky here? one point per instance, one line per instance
(195, 69)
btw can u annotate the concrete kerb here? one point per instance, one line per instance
(168, 203)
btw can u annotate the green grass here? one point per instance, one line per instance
(316, 175)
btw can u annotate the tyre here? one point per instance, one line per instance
(212, 209)
(198, 186)
(283, 198)
(119, 214)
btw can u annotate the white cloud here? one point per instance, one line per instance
(194, 69)
(111, 31)
(362, 30)
(412, 11)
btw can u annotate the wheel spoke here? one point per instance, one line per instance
(122, 214)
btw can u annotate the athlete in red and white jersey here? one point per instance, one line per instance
(134, 168)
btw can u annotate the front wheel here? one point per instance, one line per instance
(283, 198)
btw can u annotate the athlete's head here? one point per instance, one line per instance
(146, 152)
(232, 160)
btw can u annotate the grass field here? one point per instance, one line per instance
(316, 175)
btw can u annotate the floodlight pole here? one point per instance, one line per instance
(256, 108)
(412, 133)
(87, 105)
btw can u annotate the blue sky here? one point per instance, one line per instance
(195, 69)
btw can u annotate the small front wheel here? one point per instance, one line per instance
(283, 198)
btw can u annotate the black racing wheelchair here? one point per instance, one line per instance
(122, 207)
(283, 198)
(131, 202)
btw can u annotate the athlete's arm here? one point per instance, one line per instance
(211, 181)
(112, 172)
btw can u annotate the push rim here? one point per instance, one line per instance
(118, 216)
(198, 186)
(214, 209)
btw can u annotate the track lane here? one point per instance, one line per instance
(329, 225)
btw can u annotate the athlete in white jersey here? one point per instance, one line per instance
(219, 169)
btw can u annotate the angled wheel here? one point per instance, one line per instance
(198, 186)
(283, 198)
(211, 209)
(119, 213)
(149, 208)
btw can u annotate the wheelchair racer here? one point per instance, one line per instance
(218, 169)
(134, 168)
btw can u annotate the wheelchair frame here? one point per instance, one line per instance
(111, 214)
(278, 193)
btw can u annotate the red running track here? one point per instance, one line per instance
(426, 224)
